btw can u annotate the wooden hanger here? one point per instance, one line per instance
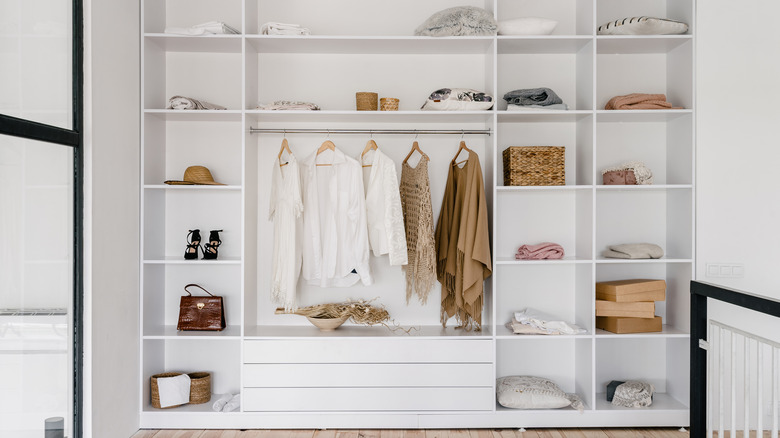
(460, 149)
(415, 147)
(285, 146)
(324, 147)
(371, 145)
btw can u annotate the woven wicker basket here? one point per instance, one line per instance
(388, 104)
(200, 388)
(156, 391)
(366, 101)
(534, 166)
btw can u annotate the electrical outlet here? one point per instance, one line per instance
(724, 270)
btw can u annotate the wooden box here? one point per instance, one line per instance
(629, 325)
(639, 309)
(629, 291)
(534, 166)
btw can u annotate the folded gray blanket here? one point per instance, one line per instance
(634, 251)
(533, 96)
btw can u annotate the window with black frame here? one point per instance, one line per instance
(40, 218)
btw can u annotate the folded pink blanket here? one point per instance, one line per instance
(544, 250)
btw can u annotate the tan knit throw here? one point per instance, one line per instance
(418, 221)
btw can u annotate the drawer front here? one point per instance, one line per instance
(371, 350)
(367, 399)
(357, 375)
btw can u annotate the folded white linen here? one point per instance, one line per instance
(273, 28)
(233, 404)
(188, 103)
(557, 106)
(218, 405)
(207, 28)
(547, 323)
(289, 105)
(174, 390)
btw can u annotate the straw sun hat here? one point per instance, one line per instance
(196, 175)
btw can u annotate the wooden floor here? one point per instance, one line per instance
(460, 433)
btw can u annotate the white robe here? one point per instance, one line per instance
(335, 239)
(384, 214)
(285, 210)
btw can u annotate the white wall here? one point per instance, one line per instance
(111, 217)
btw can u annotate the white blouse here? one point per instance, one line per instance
(285, 210)
(384, 214)
(335, 239)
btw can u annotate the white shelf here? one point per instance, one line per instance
(200, 43)
(563, 261)
(666, 332)
(641, 115)
(179, 260)
(664, 259)
(358, 331)
(349, 116)
(196, 115)
(189, 408)
(566, 188)
(511, 44)
(541, 115)
(170, 332)
(386, 45)
(642, 188)
(502, 332)
(186, 187)
(639, 44)
(661, 402)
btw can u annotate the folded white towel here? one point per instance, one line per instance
(542, 321)
(218, 405)
(207, 28)
(233, 404)
(273, 28)
(174, 390)
(188, 103)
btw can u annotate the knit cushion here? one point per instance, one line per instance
(528, 392)
(526, 26)
(458, 21)
(643, 26)
(458, 99)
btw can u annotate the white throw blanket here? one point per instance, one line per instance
(208, 28)
(174, 391)
(272, 28)
(188, 103)
(530, 321)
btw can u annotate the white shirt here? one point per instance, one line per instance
(285, 210)
(384, 214)
(335, 239)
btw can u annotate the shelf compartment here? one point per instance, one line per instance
(636, 44)
(547, 44)
(159, 14)
(356, 331)
(574, 17)
(220, 357)
(206, 43)
(661, 402)
(611, 10)
(386, 45)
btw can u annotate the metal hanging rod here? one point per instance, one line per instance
(370, 131)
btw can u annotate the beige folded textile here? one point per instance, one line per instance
(634, 251)
(639, 101)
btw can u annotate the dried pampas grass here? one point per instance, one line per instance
(359, 312)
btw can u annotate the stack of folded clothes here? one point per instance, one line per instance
(541, 251)
(639, 101)
(532, 322)
(272, 28)
(208, 28)
(289, 105)
(534, 99)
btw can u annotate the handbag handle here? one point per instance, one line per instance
(198, 286)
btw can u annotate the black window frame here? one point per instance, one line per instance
(17, 127)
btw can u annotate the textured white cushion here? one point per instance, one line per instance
(527, 26)
(528, 392)
(458, 99)
(458, 21)
(643, 26)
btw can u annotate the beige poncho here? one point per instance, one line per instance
(463, 245)
(418, 223)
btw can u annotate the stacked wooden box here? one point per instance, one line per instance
(628, 306)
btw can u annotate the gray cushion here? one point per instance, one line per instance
(458, 21)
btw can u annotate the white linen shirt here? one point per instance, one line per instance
(335, 238)
(384, 215)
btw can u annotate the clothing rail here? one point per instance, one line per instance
(370, 131)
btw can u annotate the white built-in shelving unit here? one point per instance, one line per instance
(292, 375)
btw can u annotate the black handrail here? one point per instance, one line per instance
(700, 292)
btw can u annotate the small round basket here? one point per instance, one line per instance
(200, 388)
(327, 324)
(366, 101)
(156, 391)
(388, 104)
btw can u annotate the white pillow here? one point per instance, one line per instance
(458, 21)
(528, 392)
(458, 99)
(643, 26)
(527, 26)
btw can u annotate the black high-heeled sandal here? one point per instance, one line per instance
(211, 248)
(193, 243)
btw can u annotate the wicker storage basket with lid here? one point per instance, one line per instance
(366, 101)
(534, 166)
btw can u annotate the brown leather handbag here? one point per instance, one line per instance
(201, 313)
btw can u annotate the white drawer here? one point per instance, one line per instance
(357, 375)
(368, 350)
(368, 399)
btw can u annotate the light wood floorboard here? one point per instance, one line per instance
(432, 433)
